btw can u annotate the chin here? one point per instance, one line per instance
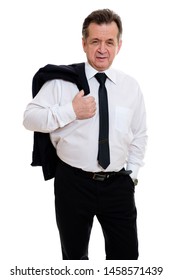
(102, 67)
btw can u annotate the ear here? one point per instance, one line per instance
(84, 44)
(119, 46)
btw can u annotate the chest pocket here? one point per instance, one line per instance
(123, 118)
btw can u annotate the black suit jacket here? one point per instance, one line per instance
(44, 153)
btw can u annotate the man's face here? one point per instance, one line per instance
(102, 45)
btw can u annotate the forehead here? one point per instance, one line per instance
(103, 31)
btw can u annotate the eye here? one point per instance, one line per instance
(94, 42)
(110, 43)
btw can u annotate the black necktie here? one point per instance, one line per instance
(103, 151)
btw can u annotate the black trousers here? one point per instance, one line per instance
(79, 198)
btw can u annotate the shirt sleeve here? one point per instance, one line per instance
(138, 145)
(46, 112)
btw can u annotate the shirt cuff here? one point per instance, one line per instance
(65, 114)
(134, 169)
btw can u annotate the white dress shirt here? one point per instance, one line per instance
(76, 141)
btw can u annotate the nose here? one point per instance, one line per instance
(102, 47)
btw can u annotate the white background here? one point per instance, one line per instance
(35, 33)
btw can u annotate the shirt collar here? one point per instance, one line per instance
(90, 73)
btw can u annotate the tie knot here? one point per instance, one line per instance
(101, 78)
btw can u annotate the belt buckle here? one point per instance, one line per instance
(99, 177)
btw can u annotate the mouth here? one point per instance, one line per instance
(101, 58)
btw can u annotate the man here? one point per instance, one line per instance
(101, 147)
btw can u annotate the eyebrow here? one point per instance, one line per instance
(97, 39)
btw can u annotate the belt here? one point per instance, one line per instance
(98, 176)
(102, 176)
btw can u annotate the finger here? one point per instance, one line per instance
(81, 93)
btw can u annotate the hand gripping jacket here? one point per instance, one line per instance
(44, 153)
